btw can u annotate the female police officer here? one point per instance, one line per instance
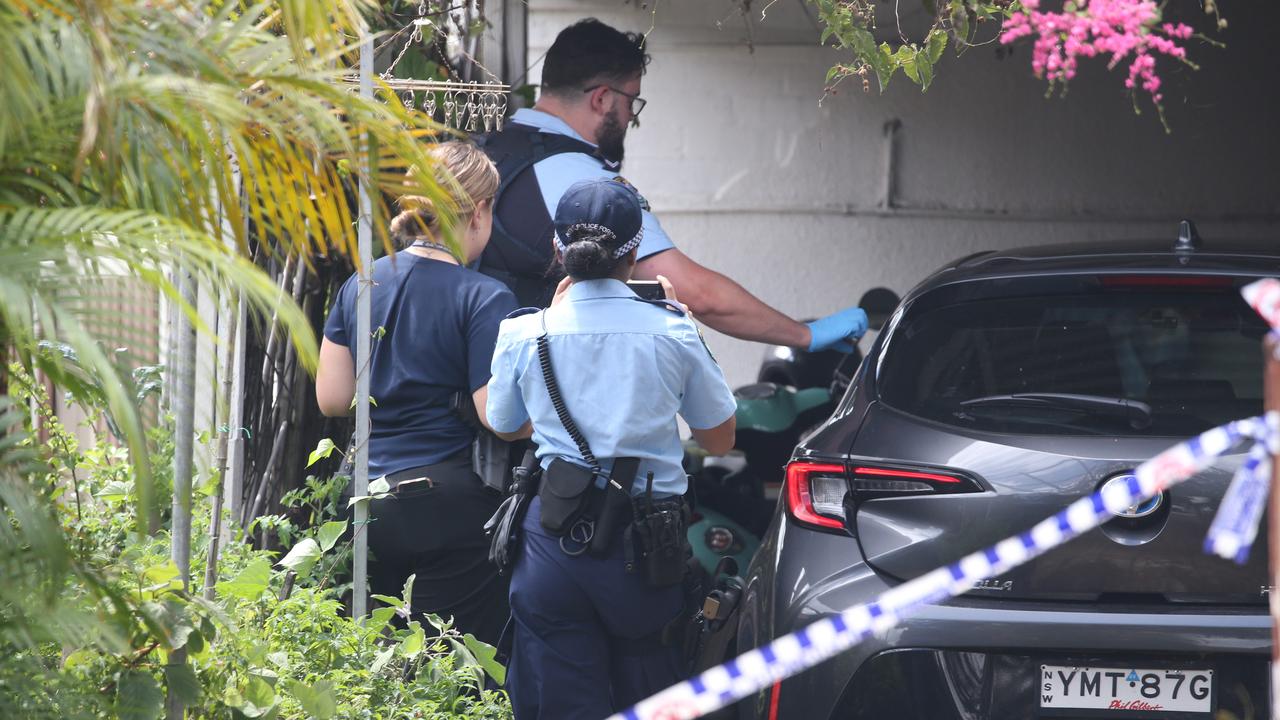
(588, 610)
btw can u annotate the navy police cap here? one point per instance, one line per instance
(609, 206)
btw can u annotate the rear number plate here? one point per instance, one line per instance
(1126, 692)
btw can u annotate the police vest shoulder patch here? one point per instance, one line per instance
(644, 204)
(523, 311)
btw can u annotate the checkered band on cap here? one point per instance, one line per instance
(608, 233)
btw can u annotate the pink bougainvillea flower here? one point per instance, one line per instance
(1129, 31)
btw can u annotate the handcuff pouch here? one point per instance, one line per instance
(568, 492)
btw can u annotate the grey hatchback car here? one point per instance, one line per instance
(1004, 387)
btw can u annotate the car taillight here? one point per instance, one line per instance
(816, 492)
(896, 481)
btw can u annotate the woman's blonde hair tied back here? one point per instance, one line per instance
(469, 177)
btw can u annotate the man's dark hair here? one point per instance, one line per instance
(589, 50)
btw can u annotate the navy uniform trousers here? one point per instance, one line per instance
(586, 633)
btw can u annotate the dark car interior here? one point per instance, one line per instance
(1114, 360)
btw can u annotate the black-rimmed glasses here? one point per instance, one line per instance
(637, 102)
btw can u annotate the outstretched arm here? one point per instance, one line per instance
(728, 307)
(721, 303)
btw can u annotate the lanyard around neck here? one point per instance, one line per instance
(429, 245)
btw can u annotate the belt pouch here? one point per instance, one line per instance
(568, 493)
(660, 531)
(615, 511)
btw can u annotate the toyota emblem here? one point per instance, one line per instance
(1139, 509)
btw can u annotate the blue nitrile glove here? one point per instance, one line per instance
(835, 331)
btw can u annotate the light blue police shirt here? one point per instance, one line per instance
(557, 173)
(625, 368)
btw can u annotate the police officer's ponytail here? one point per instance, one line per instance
(588, 253)
(598, 223)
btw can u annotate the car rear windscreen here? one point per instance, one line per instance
(1110, 358)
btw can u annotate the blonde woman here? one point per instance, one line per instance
(437, 324)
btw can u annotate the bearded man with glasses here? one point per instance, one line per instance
(576, 131)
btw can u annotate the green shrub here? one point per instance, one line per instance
(95, 622)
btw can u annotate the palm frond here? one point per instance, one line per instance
(189, 102)
(50, 249)
(150, 135)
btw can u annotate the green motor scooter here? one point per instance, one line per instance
(735, 496)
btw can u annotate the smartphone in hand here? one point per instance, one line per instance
(647, 289)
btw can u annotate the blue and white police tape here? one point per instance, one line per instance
(1264, 297)
(1235, 526)
(755, 670)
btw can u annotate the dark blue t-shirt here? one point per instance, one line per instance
(441, 323)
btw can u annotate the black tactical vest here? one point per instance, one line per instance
(521, 250)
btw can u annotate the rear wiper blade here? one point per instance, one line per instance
(1136, 412)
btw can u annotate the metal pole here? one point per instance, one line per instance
(233, 485)
(184, 432)
(184, 405)
(221, 406)
(1271, 402)
(364, 238)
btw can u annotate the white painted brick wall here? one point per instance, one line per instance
(752, 177)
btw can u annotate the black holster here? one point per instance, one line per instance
(504, 527)
(490, 454)
(708, 625)
(615, 506)
(720, 615)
